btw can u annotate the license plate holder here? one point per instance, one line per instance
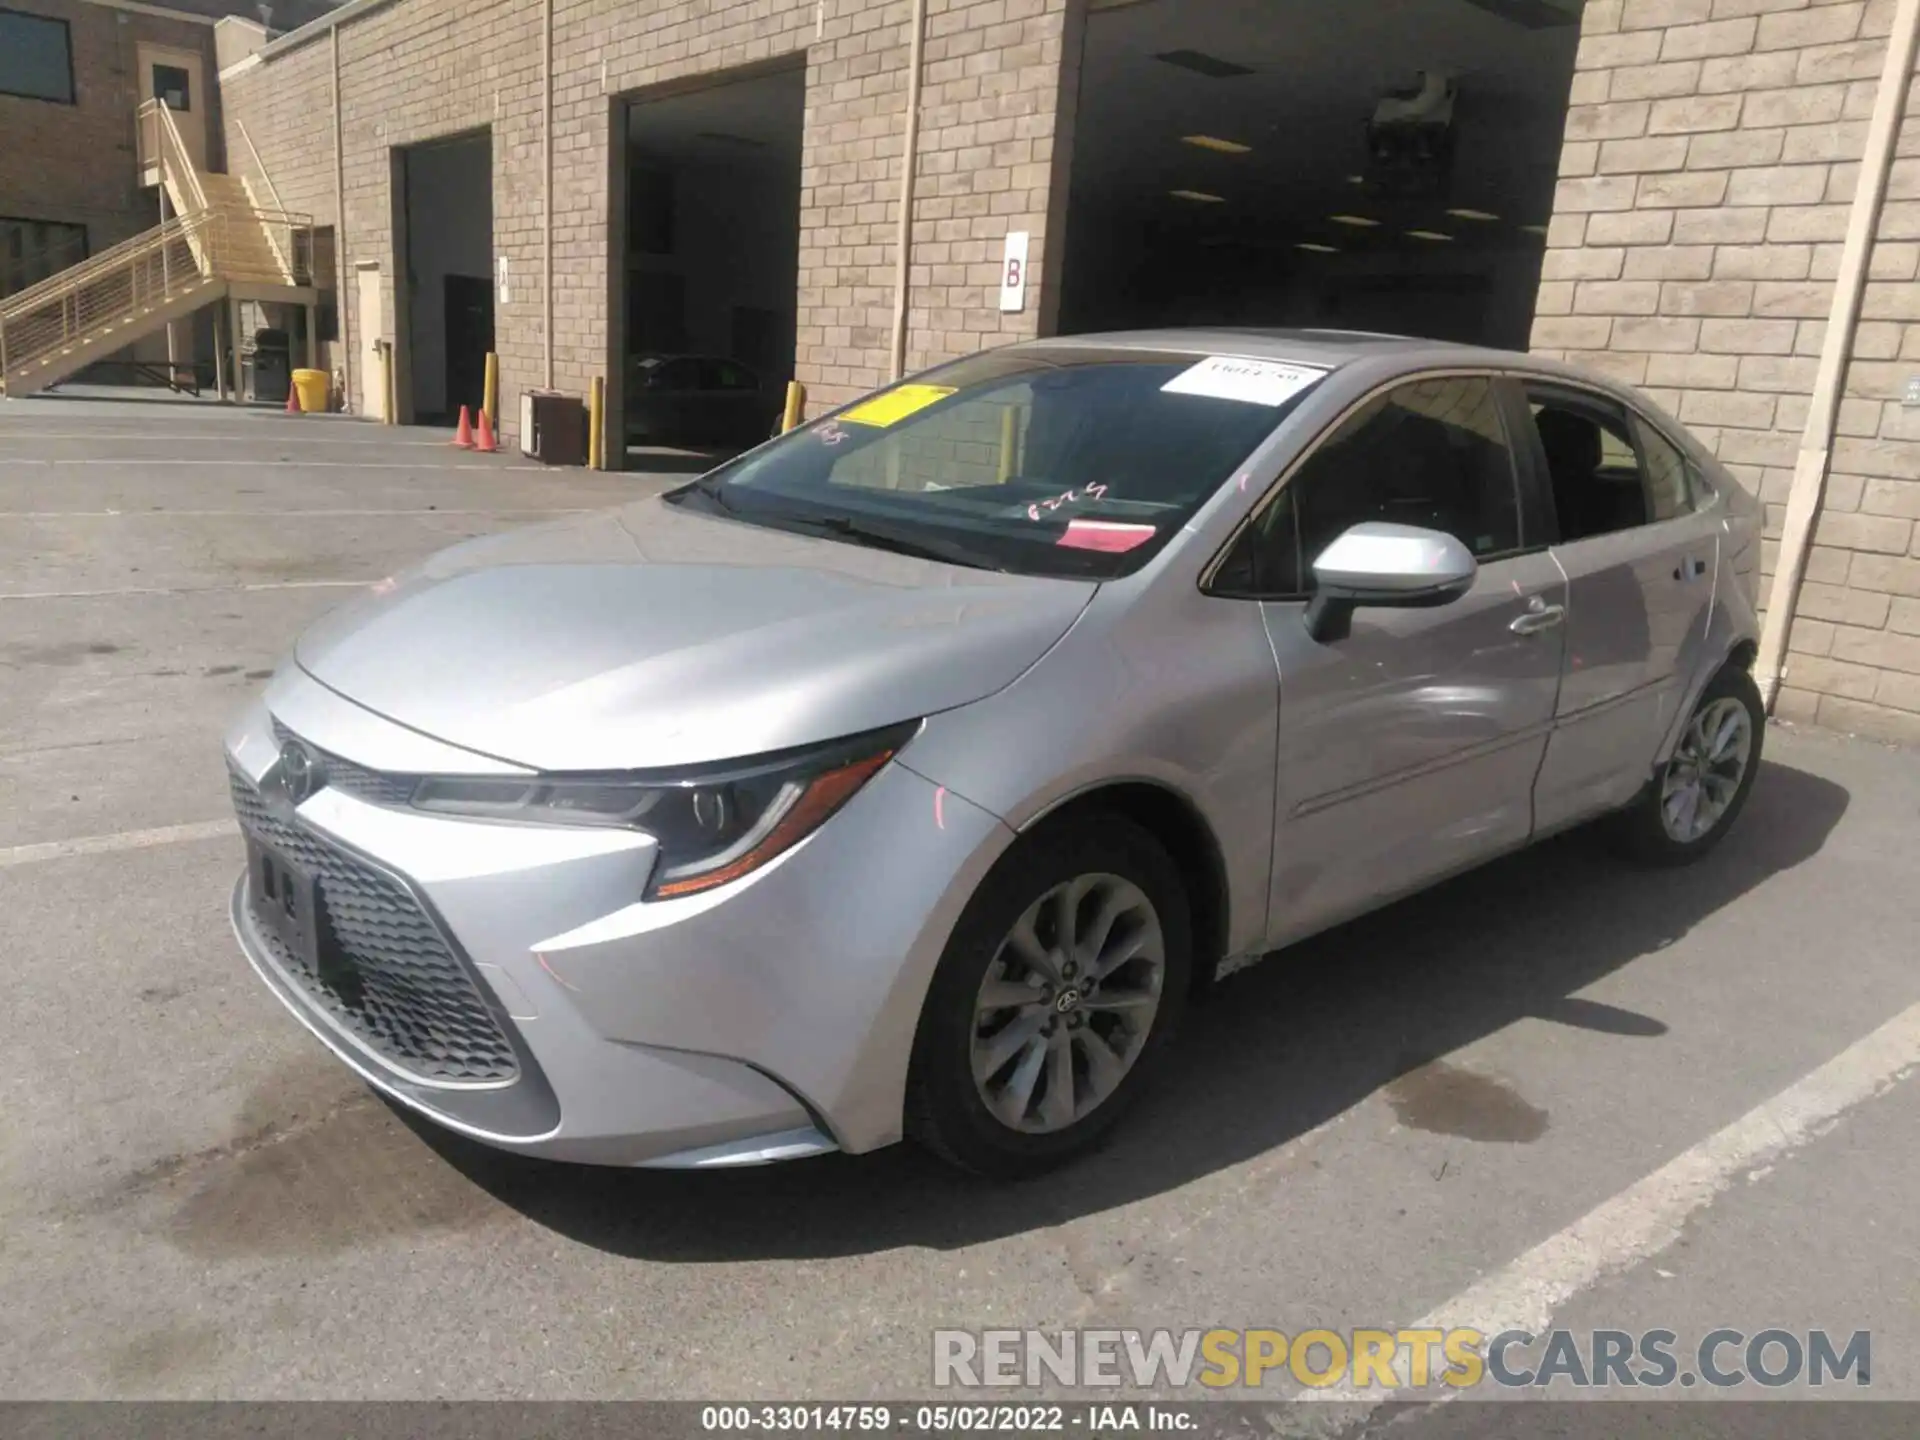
(285, 900)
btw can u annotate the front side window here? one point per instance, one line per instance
(36, 57)
(1071, 462)
(1433, 454)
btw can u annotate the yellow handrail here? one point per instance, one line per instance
(150, 271)
(173, 158)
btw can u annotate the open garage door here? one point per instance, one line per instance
(445, 308)
(1382, 165)
(711, 263)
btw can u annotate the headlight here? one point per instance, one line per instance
(713, 825)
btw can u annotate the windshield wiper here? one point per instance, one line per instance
(882, 536)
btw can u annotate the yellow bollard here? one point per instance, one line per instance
(1007, 442)
(596, 413)
(490, 391)
(796, 405)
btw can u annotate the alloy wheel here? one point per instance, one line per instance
(1068, 1003)
(1705, 773)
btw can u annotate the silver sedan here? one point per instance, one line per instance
(905, 776)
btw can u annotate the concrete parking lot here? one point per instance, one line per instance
(1557, 1091)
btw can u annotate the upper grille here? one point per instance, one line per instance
(376, 787)
(402, 991)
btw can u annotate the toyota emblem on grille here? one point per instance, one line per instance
(300, 773)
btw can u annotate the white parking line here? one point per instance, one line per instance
(478, 467)
(185, 589)
(1649, 1216)
(281, 513)
(125, 840)
(198, 435)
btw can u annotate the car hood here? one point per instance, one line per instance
(655, 636)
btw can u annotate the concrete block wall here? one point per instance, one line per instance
(1711, 157)
(78, 163)
(421, 69)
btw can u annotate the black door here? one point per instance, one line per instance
(469, 301)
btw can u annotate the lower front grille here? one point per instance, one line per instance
(397, 986)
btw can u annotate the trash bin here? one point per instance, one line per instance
(270, 367)
(311, 386)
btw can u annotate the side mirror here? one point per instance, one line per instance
(1379, 564)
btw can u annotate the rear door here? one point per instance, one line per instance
(1641, 567)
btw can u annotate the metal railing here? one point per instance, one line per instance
(204, 241)
(116, 286)
(162, 148)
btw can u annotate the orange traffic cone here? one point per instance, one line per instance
(293, 400)
(463, 437)
(485, 443)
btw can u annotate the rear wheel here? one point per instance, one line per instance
(1059, 989)
(1694, 800)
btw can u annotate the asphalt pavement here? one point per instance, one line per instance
(1558, 1091)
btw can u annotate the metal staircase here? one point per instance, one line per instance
(219, 242)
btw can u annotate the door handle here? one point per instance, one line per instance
(1540, 616)
(1689, 569)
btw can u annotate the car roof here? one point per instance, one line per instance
(1336, 349)
(1332, 349)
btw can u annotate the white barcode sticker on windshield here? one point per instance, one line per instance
(1254, 382)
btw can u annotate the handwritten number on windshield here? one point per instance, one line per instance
(1095, 491)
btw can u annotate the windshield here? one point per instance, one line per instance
(1069, 462)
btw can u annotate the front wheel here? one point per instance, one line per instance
(1694, 800)
(1059, 989)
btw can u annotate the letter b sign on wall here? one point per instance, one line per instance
(1013, 274)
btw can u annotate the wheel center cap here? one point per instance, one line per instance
(1067, 1001)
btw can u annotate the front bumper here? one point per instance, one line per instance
(531, 1001)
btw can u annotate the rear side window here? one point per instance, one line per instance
(1668, 475)
(1610, 470)
(1433, 454)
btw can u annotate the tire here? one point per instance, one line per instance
(1648, 831)
(1111, 865)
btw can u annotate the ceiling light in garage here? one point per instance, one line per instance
(1199, 196)
(1210, 66)
(1359, 222)
(1213, 142)
(1318, 249)
(1427, 235)
(1473, 215)
(1534, 229)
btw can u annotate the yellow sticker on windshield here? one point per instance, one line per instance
(892, 406)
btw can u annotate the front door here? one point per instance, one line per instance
(376, 352)
(175, 78)
(1641, 567)
(1408, 749)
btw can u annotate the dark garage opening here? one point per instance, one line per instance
(1384, 165)
(446, 306)
(712, 262)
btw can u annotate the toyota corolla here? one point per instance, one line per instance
(906, 775)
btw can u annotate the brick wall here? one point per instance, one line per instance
(76, 163)
(425, 68)
(1711, 156)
